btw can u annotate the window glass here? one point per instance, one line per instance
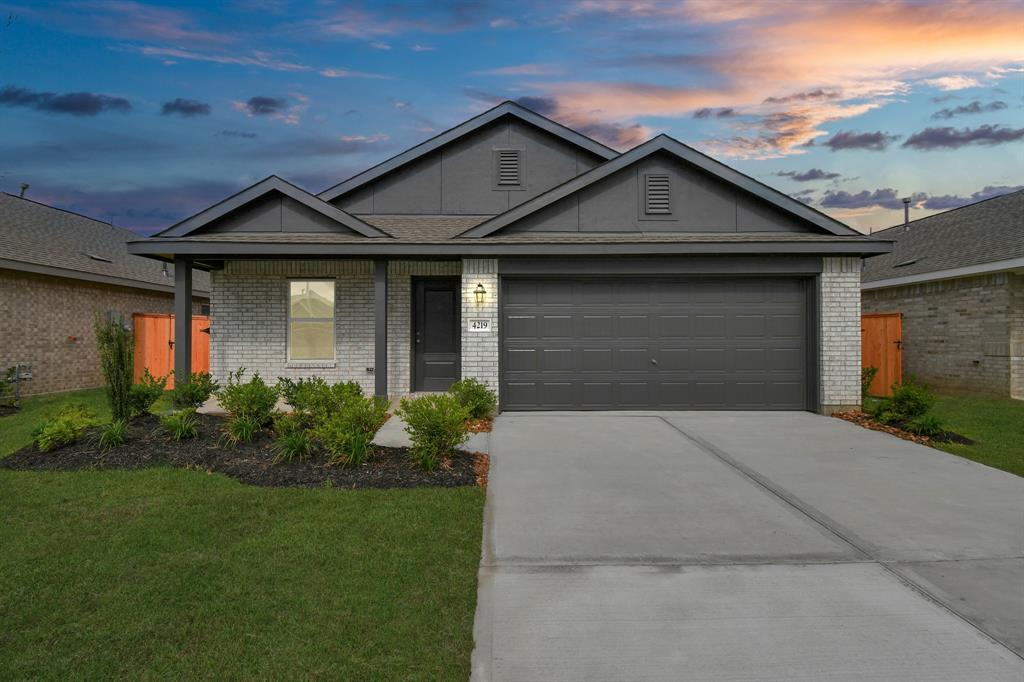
(311, 320)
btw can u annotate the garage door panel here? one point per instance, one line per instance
(681, 343)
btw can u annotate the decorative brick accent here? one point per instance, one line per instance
(963, 334)
(480, 349)
(839, 316)
(42, 313)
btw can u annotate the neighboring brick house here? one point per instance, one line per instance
(57, 269)
(957, 280)
(563, 274)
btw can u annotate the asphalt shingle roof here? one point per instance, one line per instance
(988, 231)
(38, 234)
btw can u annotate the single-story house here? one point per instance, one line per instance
(957, 280)
(57, 269)
(565, 275)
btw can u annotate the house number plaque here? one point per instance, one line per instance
(479, 325)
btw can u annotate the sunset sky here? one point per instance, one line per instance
(144, 113)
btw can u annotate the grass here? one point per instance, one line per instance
(997, 424)
(172, 574)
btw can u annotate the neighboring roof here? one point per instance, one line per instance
(506, 108)
(38, 238)
(983, 237)
(664, 143)
(261, 188)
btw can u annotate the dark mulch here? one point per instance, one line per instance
(898, 429)
(8, 409)
(252, 463)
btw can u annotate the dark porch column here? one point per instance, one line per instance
(380, 316)
(182, 320)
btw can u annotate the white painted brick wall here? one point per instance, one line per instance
(480, 349)
(840, 356)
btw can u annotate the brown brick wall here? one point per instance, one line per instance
(957, 334)
(38, 314)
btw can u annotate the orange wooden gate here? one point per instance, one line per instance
(882, 347)
(154, 344)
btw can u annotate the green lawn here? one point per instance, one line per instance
(165, 573)
(997, 424)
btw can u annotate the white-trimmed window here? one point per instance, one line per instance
(311, 319)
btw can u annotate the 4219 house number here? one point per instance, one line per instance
(479, 325)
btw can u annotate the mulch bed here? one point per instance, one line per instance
(480, 425)
(868, 422)
(8, 409)
(252, 463)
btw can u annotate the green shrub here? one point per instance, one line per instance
(239, 430)
(908, 402)
(867, 375)
(112, 434)
(253, 400)
(145, 393)
(181, 425)
(295, 445)
(927, 425)
(347, 433)
(436, 424)
(7, 387)
(116, 345)
(290, 423)
(63, 428)
(475, 397)
(195, 392)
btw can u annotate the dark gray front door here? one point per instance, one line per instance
(636, 343)
(435, 334)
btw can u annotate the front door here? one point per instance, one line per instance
(436, 342)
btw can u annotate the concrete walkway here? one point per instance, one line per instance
(743, 546)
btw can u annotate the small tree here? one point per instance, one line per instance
(117, 359)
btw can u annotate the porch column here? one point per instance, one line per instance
(182, 320)
(380, 316)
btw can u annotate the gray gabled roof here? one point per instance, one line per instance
(507, 108)
(988, 232)
(265, 186)
(45, 240)
(672, 146)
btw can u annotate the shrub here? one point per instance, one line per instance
(7, 387)
(63, 428)
(927, 425)
(436, 424)
(867, 375)
(908, 402)
(181, 425)
(239, 430)
(195, 392)
(296, 445)
(290, 423)
(117, 360)
(145, 393)
(348, 433)
(475, 397)
(252, 400)
(113, 434)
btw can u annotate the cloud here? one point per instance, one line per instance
(808, 175)
(948, 201)
(72, 103)
(974, 107)
(723, 112)
(845, 139)
(258, 59)
(378, 45)
(614, 134)
(951, 138)
(185, 108)
(521, 70)
(261, 105)
(958, 82)
(503, 22)
(237, 133)
(417, 47)
(809, 96)
(348, 73)
(274, 107)
(125, 20)
(884, 198)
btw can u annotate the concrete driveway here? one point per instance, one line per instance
(743, 546)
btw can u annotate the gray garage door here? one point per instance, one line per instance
(699, 343)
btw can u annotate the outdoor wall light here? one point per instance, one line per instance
(480, 293)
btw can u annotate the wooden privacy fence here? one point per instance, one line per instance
(881, 346)
(154, 344)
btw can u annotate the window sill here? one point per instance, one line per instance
(311, 364)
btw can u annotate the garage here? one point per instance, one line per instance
(694, 343)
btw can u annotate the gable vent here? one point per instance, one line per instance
(508, 167)
(657, 194)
